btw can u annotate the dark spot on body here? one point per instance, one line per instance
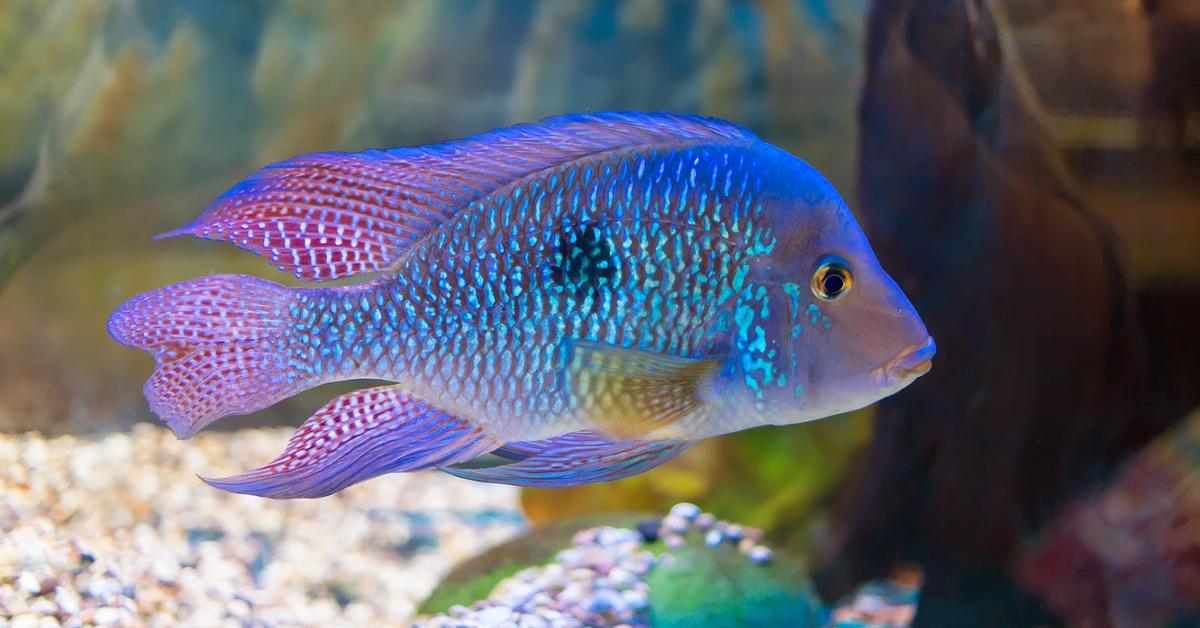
(583, 261)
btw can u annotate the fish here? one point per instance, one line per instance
(556, 303)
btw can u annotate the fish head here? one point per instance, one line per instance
(834, 330)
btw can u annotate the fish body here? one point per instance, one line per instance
(564, 302)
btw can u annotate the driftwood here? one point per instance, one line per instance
(1040, 385)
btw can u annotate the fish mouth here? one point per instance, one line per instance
(908, 365)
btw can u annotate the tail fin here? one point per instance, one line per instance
(220, 344)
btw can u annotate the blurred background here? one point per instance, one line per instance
(1029, 171)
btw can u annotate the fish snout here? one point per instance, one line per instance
(908, 365)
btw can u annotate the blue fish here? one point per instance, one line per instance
(557, 303)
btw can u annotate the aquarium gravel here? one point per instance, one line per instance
(119, 530)
(600, 580)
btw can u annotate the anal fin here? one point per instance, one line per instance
(583, 457)
(359, 436)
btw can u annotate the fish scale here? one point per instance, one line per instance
(454, 334)
(444, 336)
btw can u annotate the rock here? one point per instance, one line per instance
(675, 525)
(720, 587)
(25, 620)
(685, 510)
(648, 528)
(493, 615)
(759, 554)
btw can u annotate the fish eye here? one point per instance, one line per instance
(831, 279)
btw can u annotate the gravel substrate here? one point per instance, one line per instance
(119, 531)
(600, 580)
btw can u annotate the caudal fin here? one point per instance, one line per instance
(220, 344)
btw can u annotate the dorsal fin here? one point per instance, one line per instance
(328, 215)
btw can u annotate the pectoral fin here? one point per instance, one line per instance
(627, 393)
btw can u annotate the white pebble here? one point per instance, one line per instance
(685, 510)
(676, 525)
(713, 538)
(759, 554)
(107, 616)
(28, 583)
(621, 578)
(615, 536)
(494, 615)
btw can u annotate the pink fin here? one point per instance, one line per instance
(358, 436)
(328, 215)
(582, 457)
(215, 341)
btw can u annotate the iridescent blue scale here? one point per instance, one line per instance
(638, 250)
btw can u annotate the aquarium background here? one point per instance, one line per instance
(1029, 172)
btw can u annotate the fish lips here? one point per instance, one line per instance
(907, 366)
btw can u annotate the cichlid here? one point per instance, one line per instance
(557, 303)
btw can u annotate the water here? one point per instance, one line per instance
(1028, 171)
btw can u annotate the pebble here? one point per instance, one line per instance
(685, 510)
(675, 525)
(494, 615)
(88, 541)
(705, 520)
(759, 554)
(599, 581)
(649, 529)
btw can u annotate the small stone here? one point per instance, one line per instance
(532, 621)
(606, 601)
(734, 532)
(705, 520)
(569, 558)
(107, 616)
(494, 615)
(573, 594)
(637, 599)
(621, 578)
(673, 541)
(586, 536)
(25, 620)
(68, 601)
(676, 525)
(609, 537)
(458, 611)
(648, 528)
(685, 510)
(29, 583)
(44, 606)
(713, 538)
(759, 554)
(745, 545)
(583, 574)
